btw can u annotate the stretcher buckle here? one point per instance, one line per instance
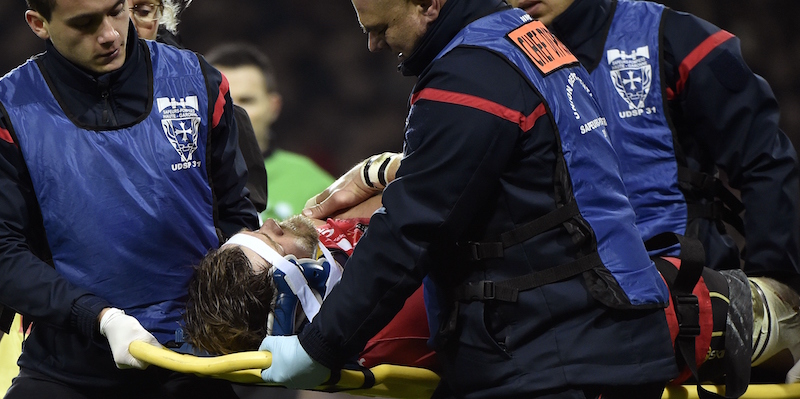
(687, 310)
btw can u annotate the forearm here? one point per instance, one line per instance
(28, 284)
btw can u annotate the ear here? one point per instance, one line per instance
(430, 9)
(277, 104)
(38, 24)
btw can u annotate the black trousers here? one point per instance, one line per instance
(164, 384)
(646, 391)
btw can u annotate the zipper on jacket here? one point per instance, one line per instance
(108, 113)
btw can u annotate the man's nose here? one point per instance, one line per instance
(376, 42)
(271, 226)
(108, 33)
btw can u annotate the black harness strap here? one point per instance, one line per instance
(6, 318)
(723, 205)
(508, 290)
(716, 211)
(491, 250)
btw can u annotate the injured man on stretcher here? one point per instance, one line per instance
(273, 280)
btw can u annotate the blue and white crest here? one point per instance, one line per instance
(631, 75)
(180, 122)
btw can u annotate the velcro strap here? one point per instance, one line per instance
(490, 250)
(692, 256)
(369, 379)
(508, 290)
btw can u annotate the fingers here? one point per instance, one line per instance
(320, 211)
(337, 201)
(794, 374)
(267, 344)
(315, 200)
(266, 375)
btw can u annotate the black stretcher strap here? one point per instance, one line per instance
(681, 283)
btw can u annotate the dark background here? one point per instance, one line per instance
(342, 103)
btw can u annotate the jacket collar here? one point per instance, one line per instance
(583, 27)
(67, 73)
(454, 16)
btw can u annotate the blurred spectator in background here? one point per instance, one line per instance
(293, 178)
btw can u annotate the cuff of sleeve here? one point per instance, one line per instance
(84, 314)
(317, 347)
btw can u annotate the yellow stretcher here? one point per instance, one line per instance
(387, 381)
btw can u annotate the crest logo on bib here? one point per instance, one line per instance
(631, 75)
(181, 121)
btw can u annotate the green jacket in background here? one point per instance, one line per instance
(293, 179)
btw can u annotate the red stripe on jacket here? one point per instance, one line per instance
(219, 106)
(5, 135)
(525, 122)
(695, 57)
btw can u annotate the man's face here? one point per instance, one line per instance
(396, 25)
(543, 10)
(295, 236)
(249, 91)
(145, 17)
(90, 33)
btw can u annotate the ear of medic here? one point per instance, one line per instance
(292, 367)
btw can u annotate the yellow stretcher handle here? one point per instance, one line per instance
(754, 391)
(390, 381)
(209, 366)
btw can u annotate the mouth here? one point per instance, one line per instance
(528, 5)
(111, 55)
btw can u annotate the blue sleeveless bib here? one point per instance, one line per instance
(628, 82)
(590, 160)
(127, 211)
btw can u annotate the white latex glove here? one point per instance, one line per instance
(291, 365)
(120, 330)
(793, 375)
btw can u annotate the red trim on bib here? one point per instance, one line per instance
(525, 122)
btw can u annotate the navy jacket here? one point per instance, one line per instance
(28, 283)
(470, 175)
(724, 117)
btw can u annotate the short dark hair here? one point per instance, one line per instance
(43, 7)
(228, 303)
(235, 55)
